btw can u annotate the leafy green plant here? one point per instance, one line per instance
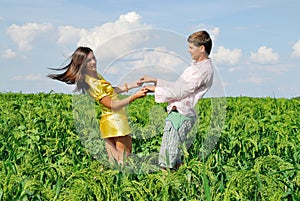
(50, 149)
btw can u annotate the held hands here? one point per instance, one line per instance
(144, 90)
(149, 88)
(141, 93)
(141, 81)
(134, 85)
(146, 79)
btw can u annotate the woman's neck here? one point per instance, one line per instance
(93, 74)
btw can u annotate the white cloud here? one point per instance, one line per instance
(264, 55)
(8, 54)
(130, 17)
(275, 69)
(30, 77)
(159, 56)
(25, 34)
(227, 56)
(296, 49)
(214, 32)
(98, 36)
(69, 34)
(257, 79)
(158, 62)
(234, 68)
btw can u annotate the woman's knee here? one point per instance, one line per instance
(124, 143)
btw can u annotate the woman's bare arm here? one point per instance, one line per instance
(126, 87)
(116, 105)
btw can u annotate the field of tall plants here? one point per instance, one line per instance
(241, 148)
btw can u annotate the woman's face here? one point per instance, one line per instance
(91, 63)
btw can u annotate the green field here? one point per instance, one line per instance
(242, 148)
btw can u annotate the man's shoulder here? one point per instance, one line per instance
(202, 67)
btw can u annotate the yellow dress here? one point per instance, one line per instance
(112, 123)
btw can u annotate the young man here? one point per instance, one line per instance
(182, 97)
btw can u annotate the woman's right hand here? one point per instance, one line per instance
(141, 93)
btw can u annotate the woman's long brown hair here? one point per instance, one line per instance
(73, 70)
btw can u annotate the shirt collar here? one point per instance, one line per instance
(200, 62)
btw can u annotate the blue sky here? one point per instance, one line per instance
(256, 44)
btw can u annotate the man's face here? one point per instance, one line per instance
(195, 51)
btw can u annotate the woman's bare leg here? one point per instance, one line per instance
(117, 147)
(111, 149)
(123, 147)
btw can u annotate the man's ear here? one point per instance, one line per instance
(202, 48)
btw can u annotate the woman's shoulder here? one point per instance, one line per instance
(89, 78)
(98, 82)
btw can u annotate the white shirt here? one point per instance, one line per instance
(191, 86)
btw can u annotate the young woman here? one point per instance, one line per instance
(114, 127)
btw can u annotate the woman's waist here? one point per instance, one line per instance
(113, 113)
